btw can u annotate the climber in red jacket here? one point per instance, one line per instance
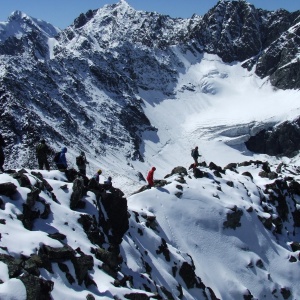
(150, 177)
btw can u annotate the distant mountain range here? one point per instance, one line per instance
(83, 87)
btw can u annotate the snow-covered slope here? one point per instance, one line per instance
(217, 106)
(230, 261)
(229, 233)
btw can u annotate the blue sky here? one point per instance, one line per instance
(61, 13)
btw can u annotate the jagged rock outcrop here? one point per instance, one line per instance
(104, 231)
(116, 224)
(283, 140)
(27, 271)
(267, 41)
(8, 189)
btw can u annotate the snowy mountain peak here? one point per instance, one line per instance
(17, 16)
(19, 24)
(123, 5)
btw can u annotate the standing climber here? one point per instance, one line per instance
(108, 183)
(94, 181)
(42, 151)
(150, 177)
(81, 163)
(2, 156)
(97, 175)
(195, 155)
(61, 162)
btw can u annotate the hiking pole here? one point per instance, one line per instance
(89, 168)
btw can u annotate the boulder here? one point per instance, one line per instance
(82, 264)
(22, 178)
(56, 254)
(117, 222)
(233, 218)
(8, 189)
(37, 288)
(177, 170)
(78, 192)
(91, 229)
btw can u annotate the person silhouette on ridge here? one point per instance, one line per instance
(195, 154)
(81, 163)
(62, 162)
(150, 177)
(42, 151)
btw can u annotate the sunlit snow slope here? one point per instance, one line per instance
(217, 107)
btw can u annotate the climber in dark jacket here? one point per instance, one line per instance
(62, 162)
(81, 163)
(107, 183)
(42, 151)
(195, 155)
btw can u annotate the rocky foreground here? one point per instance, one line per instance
(84, 232)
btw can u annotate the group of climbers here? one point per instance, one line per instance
(43, 150)
(81, 162)
(194, 153)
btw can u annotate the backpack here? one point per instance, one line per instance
(193, 153)
(41, 149)
(93, 184)
(56, 157)
(80, 160)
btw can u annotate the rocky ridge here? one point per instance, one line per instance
(31, 200)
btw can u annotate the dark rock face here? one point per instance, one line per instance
(8, 189)
(230, 30)
(237, 31)
(283, 139)
(84, 18)
(280, 61)
(116, 209)
(27, 271)
(233, 218)
(187, 272)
